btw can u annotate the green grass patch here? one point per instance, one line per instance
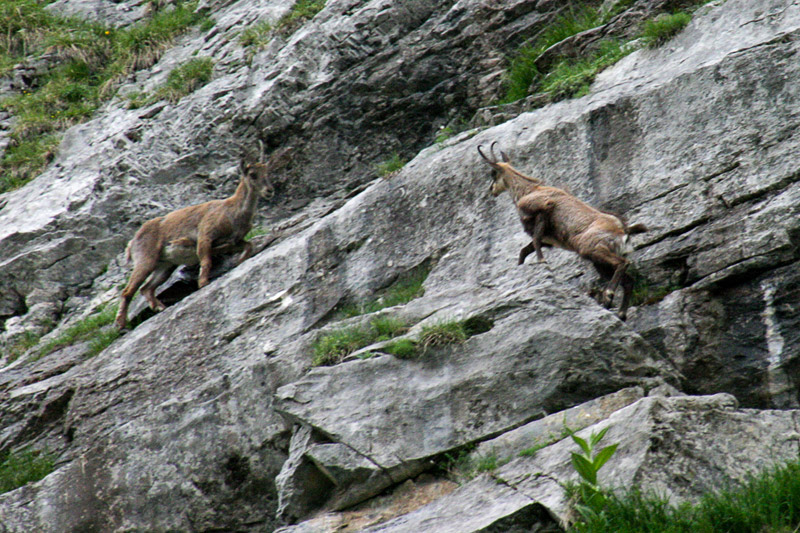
(571, 78)
(522, 70)
(181, 80)
(391, 165)
(332, 348)
(769, 501)
(257, 231)
(258, 35)
(442, 334)
(663, 28)
(402, 291)
(87, 62)
(23, 467)
(402, 349)
(89, 329)
(464, 465)
(302, 11)
(24, 343)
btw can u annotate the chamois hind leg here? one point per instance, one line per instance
(606, 261)
(142, 268)
(627, 288)
(159, 276)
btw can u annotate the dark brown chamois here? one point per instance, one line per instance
(553, 217)
(194, 234)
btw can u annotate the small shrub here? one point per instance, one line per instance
(663, 28)
(391, 165)
(26, 466)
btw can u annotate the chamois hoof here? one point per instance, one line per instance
(607, 299)
(622, 315)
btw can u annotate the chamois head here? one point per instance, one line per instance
(501, 167)
(504, 172)
(258, 174)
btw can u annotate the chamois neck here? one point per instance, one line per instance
(519, 184)
(245, 198)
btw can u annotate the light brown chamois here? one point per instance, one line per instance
(553, 217)
(194, 234)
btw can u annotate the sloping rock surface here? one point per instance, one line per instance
(185, 422)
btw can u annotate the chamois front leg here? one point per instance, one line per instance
(204, 254)
(246, 253)
(537, 232)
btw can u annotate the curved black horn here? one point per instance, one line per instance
(491, 149)
(484, 155)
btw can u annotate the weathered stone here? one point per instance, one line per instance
(174, 425)
(662, 446)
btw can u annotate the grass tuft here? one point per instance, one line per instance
(89, 329)
(391, 165)
(442, 334)
(23, 467)
(402, 291)
(769, 501)
(663, 28)
(402, 349)
(26, 341)
(258, 35)
(332, 348)
(302, 11)
(571, 78)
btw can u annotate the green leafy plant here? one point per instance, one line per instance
(587, 463)
(22, 467)
(663, 28)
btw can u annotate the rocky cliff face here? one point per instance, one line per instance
(210, 415)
